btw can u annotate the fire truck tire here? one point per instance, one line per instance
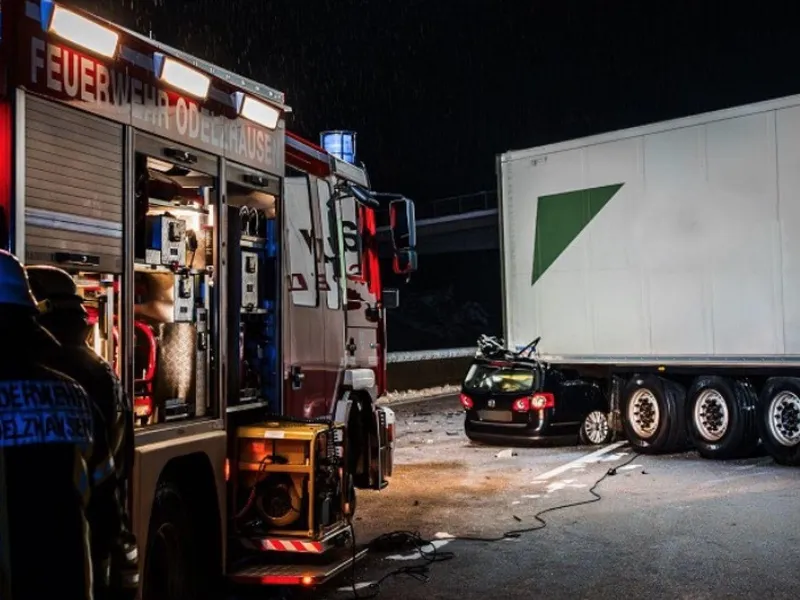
(175, 568)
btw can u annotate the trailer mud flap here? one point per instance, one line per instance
(615, 403)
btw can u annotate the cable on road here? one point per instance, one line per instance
(398, 541)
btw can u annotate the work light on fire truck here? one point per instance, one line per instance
(78, 30)
(180, 76)
(255, 110)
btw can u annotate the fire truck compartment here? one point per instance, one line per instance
(174, 264)
(73, 188)
(253, 284)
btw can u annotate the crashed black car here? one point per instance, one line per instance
(513, 398)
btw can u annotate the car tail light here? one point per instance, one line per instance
(521, 404)
(542, 401)
(466, 401)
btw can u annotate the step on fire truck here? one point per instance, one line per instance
(231, 274)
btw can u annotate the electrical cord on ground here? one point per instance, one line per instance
(405, 540)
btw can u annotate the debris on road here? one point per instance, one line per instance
(507, 453)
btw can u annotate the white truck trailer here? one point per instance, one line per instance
(664, 263)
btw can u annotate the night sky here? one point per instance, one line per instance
(436, 88)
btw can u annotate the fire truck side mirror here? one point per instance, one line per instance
(402, 222)
(391, 298)
(405, 261)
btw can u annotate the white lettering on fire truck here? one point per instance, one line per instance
(113, 92)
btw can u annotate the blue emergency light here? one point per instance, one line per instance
(339, 143)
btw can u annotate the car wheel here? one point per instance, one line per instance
(595, 429)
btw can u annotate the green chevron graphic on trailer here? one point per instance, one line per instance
(559, 220)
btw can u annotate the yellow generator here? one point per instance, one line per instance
(292, 495)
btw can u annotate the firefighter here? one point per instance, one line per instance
(114, 549)
(46, 437)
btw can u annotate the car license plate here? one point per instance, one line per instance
(499, 416)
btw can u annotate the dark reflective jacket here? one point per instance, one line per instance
(114, 550)
(46, 435)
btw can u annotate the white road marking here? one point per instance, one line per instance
(442, 539)
(629, 467)
(579, 462)
(733, 477)
(359, 586)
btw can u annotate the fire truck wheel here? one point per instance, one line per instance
(174, 568)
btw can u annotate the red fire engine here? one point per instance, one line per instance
(231, 272)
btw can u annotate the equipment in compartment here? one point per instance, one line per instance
(249, 280)
(184, 298)
(166, 240)
(175, 378)
(290, 479)
(171, 345)
(166, 297)
(253, 222)
(202, 369)
(253, 288)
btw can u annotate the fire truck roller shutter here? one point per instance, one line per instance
(73, 188)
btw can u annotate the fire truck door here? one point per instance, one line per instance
(304, 323)
(330, 288)
(362, 319)
(73, 188)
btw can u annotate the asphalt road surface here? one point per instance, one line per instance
(667, 527)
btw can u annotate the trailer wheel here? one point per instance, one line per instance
(779, 420)
(722, 417)
(174, 568)
(653, 415)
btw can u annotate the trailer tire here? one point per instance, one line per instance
(779, 420)
(175, 567)
(721, 416)
(653, 415)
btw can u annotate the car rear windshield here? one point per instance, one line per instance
(499, 380)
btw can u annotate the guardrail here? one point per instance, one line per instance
(419, 355)
(426, 369)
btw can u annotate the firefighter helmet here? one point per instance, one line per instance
(55, 289)
(14, 287)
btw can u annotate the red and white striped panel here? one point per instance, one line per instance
(291, 545)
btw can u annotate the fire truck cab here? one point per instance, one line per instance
(231, 274)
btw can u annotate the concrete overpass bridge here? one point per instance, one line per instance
(456, 224)
(431, 334)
